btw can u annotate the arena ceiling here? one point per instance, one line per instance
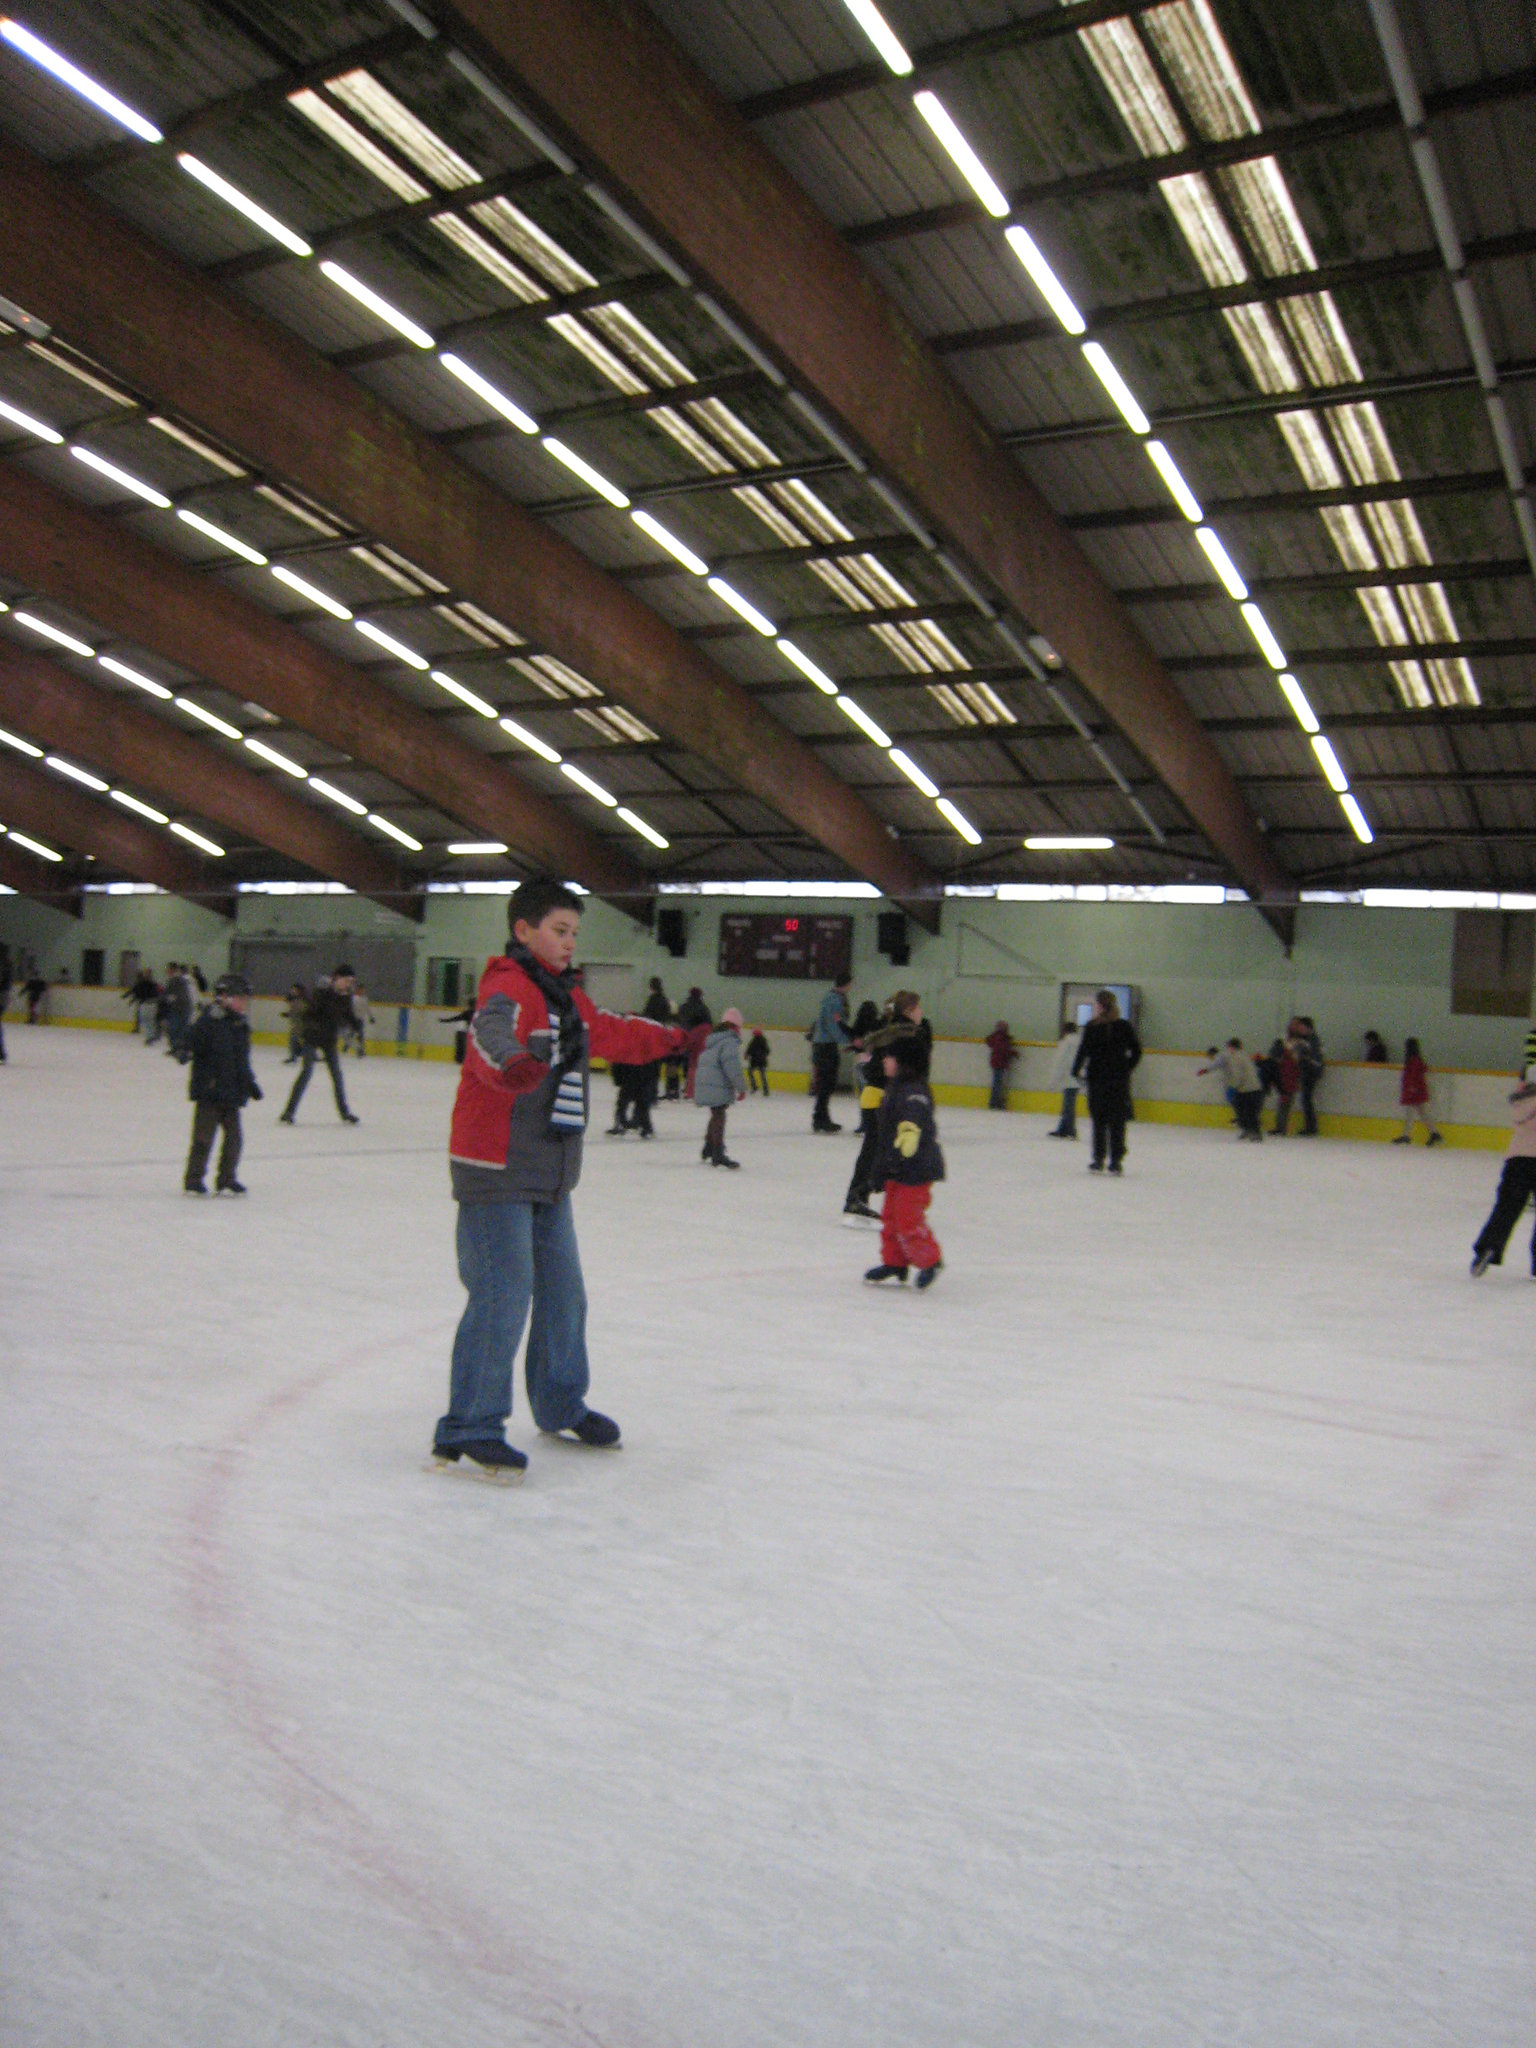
(644, 439)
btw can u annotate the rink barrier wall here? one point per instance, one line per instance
(1470, 1107)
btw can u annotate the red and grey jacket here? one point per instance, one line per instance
(501, 1147)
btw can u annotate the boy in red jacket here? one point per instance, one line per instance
(515, 1156)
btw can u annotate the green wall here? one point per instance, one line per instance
(1204, 972)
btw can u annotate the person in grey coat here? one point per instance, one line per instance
(718, 1081)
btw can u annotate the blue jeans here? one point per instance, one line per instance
(512, 1254)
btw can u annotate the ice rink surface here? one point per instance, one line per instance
(1129, 1642)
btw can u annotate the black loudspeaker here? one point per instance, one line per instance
(891, 936)
(672, 932)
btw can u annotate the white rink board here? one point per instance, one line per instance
(1127, 1644)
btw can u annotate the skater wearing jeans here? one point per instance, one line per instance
(909, 1163)
(1517, 1183)
(515, 1158)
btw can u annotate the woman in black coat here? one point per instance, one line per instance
(1108, 1055)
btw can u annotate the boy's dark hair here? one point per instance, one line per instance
(843, 981)
(531, 902)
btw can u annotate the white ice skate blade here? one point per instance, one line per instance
(860, 1222)
(471, 1468)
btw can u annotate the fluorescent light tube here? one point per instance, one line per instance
(1222, 563)
(397, 648)
(339, 796)
(25, 421)
(1082, 842)
(75, 774)
(498, 401)
(959, 820)
(863, 721)
(881, 34)
(55, 633)
(197, 839)
(135, 484)
(365, 296)
(528, 739)
(742, 607)
(637, 824)
(1125, 404)
(9, 739)
(319, 597)
(912, 772)
(961, 154)
(230, 732)
(1356, 817)
(585, 782)
(278, 760)
(464, 696)
(1338, 781)
(1044, 279)
(586, 472)
(233, 196)
(35, 846)
(807, 667)
(473, 846)
(394, 832)
(225, 540)
(1258, 626)
(1168, 470)
(1295, 696)
(132, 803)
(674, 547)
(77, 81)
(131, 675)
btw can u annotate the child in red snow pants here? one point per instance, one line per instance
(905, 1239)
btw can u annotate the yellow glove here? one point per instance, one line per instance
(908, 1137)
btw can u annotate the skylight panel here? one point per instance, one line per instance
(637, 341)
(1128, 74)
(778, 522)
(954, 706)
(333, 124)
(690, 440)
(1196, 57)
(377, 105)
(1262, 340)
(615, 723)
(842, 585)
(598, 354)
(803, 502)
(1260, 197)
(489, 622)
(525, 289)
(749, 448)
(78, 371)
(303, 513)
(388, 571)
(1318, 337)
(199, 448)
(525, 238)
(986, 703)
(1204, 227)
(554, 677)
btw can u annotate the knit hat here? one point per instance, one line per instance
(231, 985)
(731, 1016)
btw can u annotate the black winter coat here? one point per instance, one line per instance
(326, 1015)
(909, 1137)
(220, 1044)
(1109, 1054)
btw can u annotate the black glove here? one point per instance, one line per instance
(255, 1093)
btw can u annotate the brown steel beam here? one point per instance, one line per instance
(38, 803)
(28, 876)
(94, 566)
(112, 733)
(267, 394)
(655, 128)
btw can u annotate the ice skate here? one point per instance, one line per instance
(878, 1275)
(488, 1459)
(194, 1187)
(929, 1274)
(1480, 1264)
(597, 1432)
(858, 1215)
(229, 1187)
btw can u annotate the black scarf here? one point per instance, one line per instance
(568, 1115)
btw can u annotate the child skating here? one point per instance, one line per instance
(908, 1163)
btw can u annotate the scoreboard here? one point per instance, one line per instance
(786, 948)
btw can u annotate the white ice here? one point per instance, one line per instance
(1127, 1643)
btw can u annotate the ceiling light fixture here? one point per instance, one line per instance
(585, 782)
(68, 74)
(33, 845)
(528, 739)
(464, 696)
(233, 196)
(1097, 358)
(366, 296)
(10, 739)
(57, 633)
(881, 34)
(1296, 697)
(28, 425)
(498, 401)
(131, 675)
(135, 484)
(1168, 470)
(278, 760)
(743, 607)
(586, 472)
(225, 540)
(197, 839)
(1338, 781)
(1044, 279)
(394, 832)
(1222, 563)
(230, 732)
(319, 597)
(678, 550)
(959, 820)
(469, 847)
(1258, 626)
(1068, 842)
(912, 772)
(1356, 817)
(961, 154)
(75, 774)
(397, 648)
(133, 803)
(339, 796)
(637, 824)
(807, 667)
(863, 721)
